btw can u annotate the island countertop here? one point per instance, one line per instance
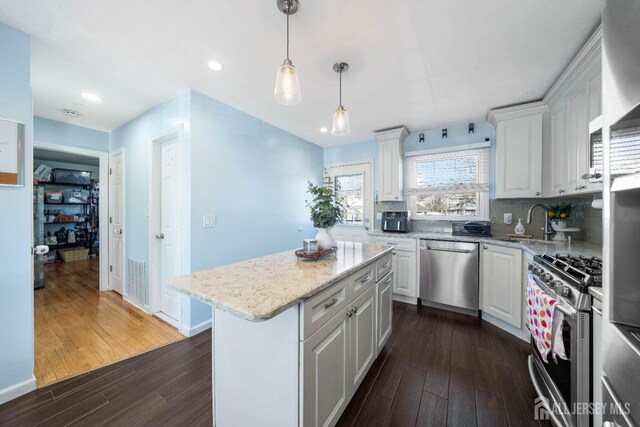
(261, 288)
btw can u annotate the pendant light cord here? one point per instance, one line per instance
(340, 86)
(288, 8)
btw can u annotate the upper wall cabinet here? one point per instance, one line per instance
(390, 162)
(519, 150)
(574, 101)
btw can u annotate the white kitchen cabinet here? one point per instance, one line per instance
(574, 100)
(385, 310)
(405, 267)
(390, 164)
(326, 372)
(363, 336)
(576, 138)
(519, 150)
(558, 150)
(501, 283)
(338, 355)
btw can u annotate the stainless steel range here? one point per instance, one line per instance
(566, 384)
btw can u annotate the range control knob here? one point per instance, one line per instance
(556, 284)
(530, 267)
(562, 290)
(565, 291)
(546, 277)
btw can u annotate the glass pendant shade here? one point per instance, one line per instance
(340, 126)
(287, 90)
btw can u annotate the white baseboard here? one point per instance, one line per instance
(195, 330)
(13, 391)
(144, 308)
(522, 334)
(404, 298)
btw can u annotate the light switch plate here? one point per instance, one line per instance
(379, 216)
(508, 218)
(208, 221)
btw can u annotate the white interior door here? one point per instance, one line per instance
(354, 184)
(170, 256)
(116, 221)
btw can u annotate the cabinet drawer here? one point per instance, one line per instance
(362, 280)
(317, 310)
(399, 243)
(383, 266)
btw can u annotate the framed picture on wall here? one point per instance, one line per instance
(11, 153)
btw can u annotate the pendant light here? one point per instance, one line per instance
(287, 91)
(340, 126)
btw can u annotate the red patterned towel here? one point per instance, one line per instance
(540, 317)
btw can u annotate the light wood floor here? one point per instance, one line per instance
(78, 328)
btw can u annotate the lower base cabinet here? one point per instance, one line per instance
(337, 357)
(326, 372)
(501, 283)
(385, 310)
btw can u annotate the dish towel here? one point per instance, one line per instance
(544, 321)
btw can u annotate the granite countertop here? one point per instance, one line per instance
(535, 247)
(261, 288)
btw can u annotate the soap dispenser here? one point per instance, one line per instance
(519, 227)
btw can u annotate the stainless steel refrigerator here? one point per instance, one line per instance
(621, 137)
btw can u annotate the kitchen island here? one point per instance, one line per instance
(293, 339)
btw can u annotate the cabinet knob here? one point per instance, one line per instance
(561, 191)
(485, 247)
(537, 193)
(349, 313)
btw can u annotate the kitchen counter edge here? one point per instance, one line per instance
(260, 317)
(578, 247)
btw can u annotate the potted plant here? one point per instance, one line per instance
(326, 210)
(560, 214)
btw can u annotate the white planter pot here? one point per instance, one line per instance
(324, 238)
(560, 225)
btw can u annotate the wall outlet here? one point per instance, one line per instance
(508, 218)
(379, 216)
(208, 221)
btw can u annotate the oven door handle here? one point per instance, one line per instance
(559, 306)
(565, 311)
(543, 399)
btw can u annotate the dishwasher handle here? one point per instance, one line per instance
(459, 251)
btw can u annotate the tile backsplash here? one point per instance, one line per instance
(585, 217)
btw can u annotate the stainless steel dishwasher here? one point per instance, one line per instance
(449, 273)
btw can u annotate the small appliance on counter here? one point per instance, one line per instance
(396, 221)
(471, 228)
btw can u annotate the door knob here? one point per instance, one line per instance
(160, 236)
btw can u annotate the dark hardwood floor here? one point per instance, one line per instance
(438, 368)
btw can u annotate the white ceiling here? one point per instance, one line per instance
(421, 63)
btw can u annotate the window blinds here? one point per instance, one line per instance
(464, 171)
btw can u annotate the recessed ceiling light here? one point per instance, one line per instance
(215, 65)
(91, 97)
(71, 113)
(324, 130)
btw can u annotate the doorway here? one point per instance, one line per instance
(354, 186)
(81, 320)
(166, 230)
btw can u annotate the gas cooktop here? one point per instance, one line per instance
(580, 272)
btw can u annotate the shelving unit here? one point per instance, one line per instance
(86, 230)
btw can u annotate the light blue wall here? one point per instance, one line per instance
(253, 176)
(54, 132)
(135, 138)
(456, 135)
(16, 287)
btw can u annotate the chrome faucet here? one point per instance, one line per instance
(548, 229)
